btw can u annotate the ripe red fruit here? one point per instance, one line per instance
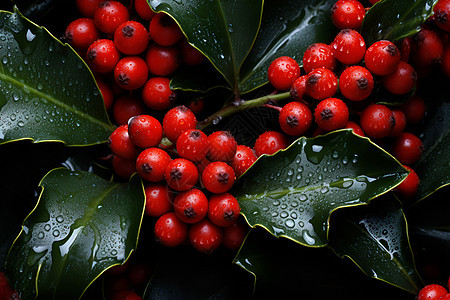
(408, 188)
(205, 236)
(218, 177)
(270, 142)
(131, 38)
(191, 206)
(347, 14)
(109, 15)
(178, 120)
(126, 107)
(414, 109)
(162, 60)
(158, 199)
(126, 295)
(432, 292)
(143, 9)
(298, 88)
(170, 231)
(131, 72)
(442, 14)
(102, 56)
(243, 159)
(295, 118)
(402, 80)
(223, 209)
(331, 114)
(81, 33)
(321, 83)
(193, 145)
(189, 55)
(120, 143)
(356, 83)
(382, 57)
(234, 235)
(400, 122)
(222, 146)
(164, 30)
(355, 127)
(319, 55)
(145, 131)
(181, 174)
(123, 167)
(157, 94)
(87, 7)
(282, 72)
(407, 148)
(349, 47)
(151, 164)
(377, 121)
(107, 93)
(427, 48)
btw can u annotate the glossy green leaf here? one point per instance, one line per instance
(47, 92)
(223, 30)
(293, 192)
(395, 20)
(81, 226)
(288, 27)
(375, 237)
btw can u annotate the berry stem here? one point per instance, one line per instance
(238, 106)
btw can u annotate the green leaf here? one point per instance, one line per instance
(293, 192)
(375, 237)
(81, 226)
(47, 92)
(222, 30)
(394, 20)
(288, 27)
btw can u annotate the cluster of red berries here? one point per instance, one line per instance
(336, 83)
(434, 292)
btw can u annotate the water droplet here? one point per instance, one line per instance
(56, 233)
(317, 148)
(290, 172)
(283, 214)
(30, 35)
(307, 237)
(289, 223)
(303, 198)
(13, 117)
(114, 252)
(324, 190)
(41, 235)
(60, 219)
(47, 227)
(5, 60)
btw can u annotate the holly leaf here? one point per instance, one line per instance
(47, 92)
(224, 31)
(81, 226)
(375, 238)
(293, 192)
(395, 20)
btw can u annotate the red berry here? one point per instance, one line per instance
(222, 146)
(319, 55)
(243, 159)
(349, 47)
(121, 144)
(356, 83)
(131, 38)
(193, 145)
(157, 94)
(191, 206)
(427, 48)
(234, 235)
(109, 15)
(405, 49)
(382, 57)
(81, 33)
(170, 231)
(407, 148)
(270, 142)
(331, 114)
(164, 30)
(152, 163)
(218, 177)
(298, 88)
(126, 295)
(321, 83)
(282, 72)
(414, 109)
(102, 56)
(400, 122)
(347, 14)
(377, 121)
(181, 174)
(295, 118)
(162, 60)
(158, 199)
(126, 107)
(408, 188)
(145, 131)
(131, 72)
(178, 120)
(205, 236)
(107, 93)
(143, 9)
(355, 127)
(223, 209)
(189, 55)
(432, 292)
(123, 167)
(87, 7)
(442, 14)
(402, 80)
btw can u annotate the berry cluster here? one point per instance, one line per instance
(433, 292)
(337, 85)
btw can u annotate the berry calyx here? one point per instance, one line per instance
(295, 118)
(181, 174)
